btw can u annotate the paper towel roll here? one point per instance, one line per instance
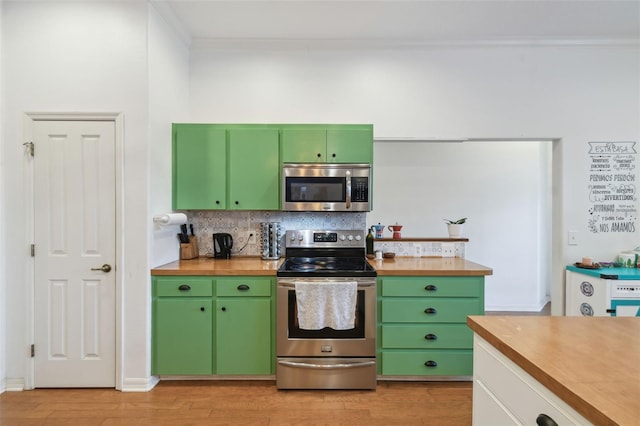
(170, 219)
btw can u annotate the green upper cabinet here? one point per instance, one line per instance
(238, 166)
(327, 144)
(199, 167)
(254, 175)
(304, 145)
(350, 145)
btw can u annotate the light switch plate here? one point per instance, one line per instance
(573, 238)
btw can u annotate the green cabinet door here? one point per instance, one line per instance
(350, 145)
(254, 178)
(243, 336)
(199, 167)
(304, 145)
(183, 336)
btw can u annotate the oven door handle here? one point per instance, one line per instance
(326, 366)
(292, 285)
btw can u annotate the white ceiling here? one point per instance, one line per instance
(397, 20)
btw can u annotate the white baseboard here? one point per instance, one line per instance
(13, 385)
(139, 385)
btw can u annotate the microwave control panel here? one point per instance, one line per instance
(359, 189)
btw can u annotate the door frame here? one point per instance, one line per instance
(28, 123)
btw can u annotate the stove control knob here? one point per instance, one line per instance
(300, 237)
(342, 237)
(293, 237)
(358, 237)
(350, 237)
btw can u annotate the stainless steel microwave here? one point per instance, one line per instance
(326, 187)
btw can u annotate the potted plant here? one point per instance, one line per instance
(455, 227)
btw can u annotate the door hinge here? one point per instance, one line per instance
(30, 148)
(33, 250)
(33, 351)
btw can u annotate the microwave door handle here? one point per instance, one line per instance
(348, 200)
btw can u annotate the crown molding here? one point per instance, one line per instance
(167, 13)
(373, 44)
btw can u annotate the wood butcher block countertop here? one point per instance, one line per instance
(429, 266)
(240, 265)
(246, 265)
(591, 363)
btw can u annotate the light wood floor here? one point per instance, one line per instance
(242, 403)
(245, 403)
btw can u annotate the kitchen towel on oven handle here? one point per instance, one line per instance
(326, 304)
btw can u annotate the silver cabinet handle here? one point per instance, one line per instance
(326, 366)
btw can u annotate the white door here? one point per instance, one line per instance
(74, 181)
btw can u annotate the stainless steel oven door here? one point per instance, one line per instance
(295, 342)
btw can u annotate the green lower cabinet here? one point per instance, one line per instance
(427, 336)
(428, 363)
(183, 336)
(243, 336)
(430, 310)
(188, 338)
(422, 325)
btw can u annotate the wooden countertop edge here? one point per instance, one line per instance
(254, 266)
(582, 406)
(211, 272)
(434, 273)
(403, 273)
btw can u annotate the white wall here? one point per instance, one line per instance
(499, 186)
(576, 93)
(168, 103)
(77, 57)
(3, 299)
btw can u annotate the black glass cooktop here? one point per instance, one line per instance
(326, 267)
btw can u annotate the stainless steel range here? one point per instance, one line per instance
(326, 312)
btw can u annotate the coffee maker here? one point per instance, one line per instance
(222, 245)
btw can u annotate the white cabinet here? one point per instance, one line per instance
(504, 394)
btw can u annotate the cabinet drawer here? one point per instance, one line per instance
(243, 286)
(518, 392)
(428, 363)
(187, 286)
(433, 286)
(430, 310)
(428, 336)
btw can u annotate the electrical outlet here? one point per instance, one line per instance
(573, 238)
(448, 250)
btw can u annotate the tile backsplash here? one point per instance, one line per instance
(240, 224)
(420, 248)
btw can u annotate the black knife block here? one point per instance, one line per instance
(189, 250)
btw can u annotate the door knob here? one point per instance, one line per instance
(104, 268)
